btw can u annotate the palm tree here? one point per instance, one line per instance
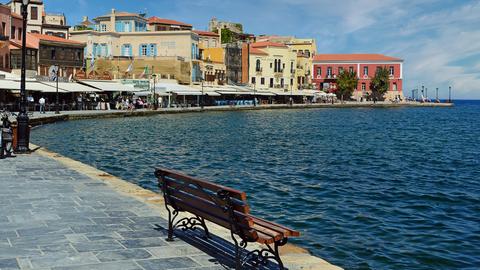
(380, 83)
(346, 83)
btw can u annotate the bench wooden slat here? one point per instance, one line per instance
(246, 225)
(240, 206)
(208, 185)
(276, 227)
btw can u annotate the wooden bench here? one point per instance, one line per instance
(223, 206)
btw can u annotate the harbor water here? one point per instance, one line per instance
(384, 188)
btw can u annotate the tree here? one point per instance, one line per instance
(346, 83)
(227, 36)
(380, 83)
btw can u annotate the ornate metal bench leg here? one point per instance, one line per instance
(238, 251)
(204, 225)
(277, 254)
(170, 223)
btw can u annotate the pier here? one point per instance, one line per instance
(60, 214)
(50, 117)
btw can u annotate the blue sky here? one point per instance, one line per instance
(438, 39)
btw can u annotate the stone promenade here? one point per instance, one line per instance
(60, 217)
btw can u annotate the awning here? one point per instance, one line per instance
(109, 86)
(72, 87)
(187, 93)
(211, 94)
(29, 86)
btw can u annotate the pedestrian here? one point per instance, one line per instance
(41, 101)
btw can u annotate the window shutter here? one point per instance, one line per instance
(140, 50)
(148, 49)
(155, 50)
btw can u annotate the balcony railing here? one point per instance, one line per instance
(259, 70)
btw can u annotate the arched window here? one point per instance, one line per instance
(258, 68)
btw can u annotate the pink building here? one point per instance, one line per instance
(326, 68)
(11, 30)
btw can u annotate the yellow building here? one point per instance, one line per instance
(272, 66)
(306, 49)
(121, 43)
(212, 67)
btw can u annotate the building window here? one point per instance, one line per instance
(378, 69)
(395, 87)
(262, 81)
(258, 66)
(143, 50)
(152, 49)
(365, 71)
(319, 71)
(350, 69)
(291, 67)
(253, 80)
(364, 87)
(340, 70)
(392, 71)
(329, 71)
(282, 82)
(271, 83)
(103, 28)
(271, 65)
(12, 32)
(20, 34)
(307, 52)
(34, 13)
(127, 27)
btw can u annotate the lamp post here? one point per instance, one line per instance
(155, 101)
(22, 118)
(436, 96)
(57, 110)
(203, 95)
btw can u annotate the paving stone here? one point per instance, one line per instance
(142, 234)
(97, 246)
(12, 252)
(112, 220)
(143, 242)
(173, 251)
(120, 214)
(168, 263)
(122, 255)
(63, 259)
(44, 231)
(9, 264)
(121, 265)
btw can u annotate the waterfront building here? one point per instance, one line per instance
(212, 54)
(326, 68)
(11, 44)
(272, 66)
(305, 48)
(41, 22)
(53, 50)
(236, 61)
(127, 44)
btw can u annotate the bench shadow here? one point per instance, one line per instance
(221, 250)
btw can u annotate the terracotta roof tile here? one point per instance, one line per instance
(55, 39)
(206, 33)
(354, 57)
(156, 20)
(257, 51)
(268, 44)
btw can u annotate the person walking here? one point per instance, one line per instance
(41, 101)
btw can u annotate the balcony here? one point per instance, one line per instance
(279, 71)
(259, 70)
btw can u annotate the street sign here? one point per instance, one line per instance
(53, 73)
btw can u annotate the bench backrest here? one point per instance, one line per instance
(219, 204)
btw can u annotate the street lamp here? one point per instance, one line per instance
(23, 132)
(155, 101)
(436, 95)
(57, 110)
(203, 95)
